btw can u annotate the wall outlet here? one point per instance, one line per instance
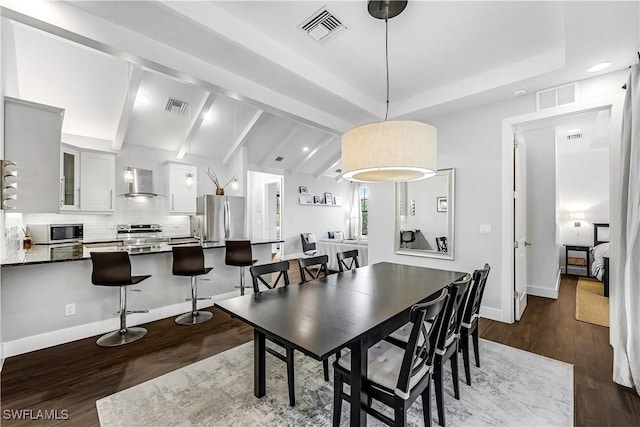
(485, 228)
(70, 310)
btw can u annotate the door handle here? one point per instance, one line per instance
(111, 199)
(173, 201)
(227, 220)
(527, 244)
(61, 192)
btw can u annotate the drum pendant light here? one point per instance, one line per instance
(389, 151)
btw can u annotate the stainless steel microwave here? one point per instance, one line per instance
(55, 233)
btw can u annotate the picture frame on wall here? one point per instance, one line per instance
(441, 204)
(316, 199)
(302, 189)
(328, 198)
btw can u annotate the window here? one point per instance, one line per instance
(364, 208)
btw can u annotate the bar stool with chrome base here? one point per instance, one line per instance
(114, 269)
(238, 254)
(189, 261)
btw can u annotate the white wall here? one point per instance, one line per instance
(542, 256)
(317, 219)
(471, 141)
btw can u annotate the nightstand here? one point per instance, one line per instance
(578, 261)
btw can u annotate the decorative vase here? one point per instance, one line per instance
(219, 191)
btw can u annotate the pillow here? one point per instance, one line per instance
(602, 250)
(338, 235)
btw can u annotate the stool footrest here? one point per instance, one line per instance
(137, 311)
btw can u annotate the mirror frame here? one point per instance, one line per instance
(449, 255)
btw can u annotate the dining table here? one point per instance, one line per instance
(353, 309)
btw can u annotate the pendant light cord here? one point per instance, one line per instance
(386, 54)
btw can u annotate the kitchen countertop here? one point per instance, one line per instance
(44, 254)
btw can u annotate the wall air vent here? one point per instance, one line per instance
(279, 159)
(556, 96)
(321, 25)
(176, 106)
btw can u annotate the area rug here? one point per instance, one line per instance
(512, 388)
(591, 305)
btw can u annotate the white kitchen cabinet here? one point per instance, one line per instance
(69, 178)
(181, 191)
(97, 181)
(32, 139)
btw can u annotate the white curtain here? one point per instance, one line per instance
(355, 213)
(625, 244)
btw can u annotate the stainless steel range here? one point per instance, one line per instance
(141, 237)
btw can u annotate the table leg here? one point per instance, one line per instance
(259, 375)
(358, 417)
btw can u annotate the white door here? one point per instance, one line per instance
(520, 223)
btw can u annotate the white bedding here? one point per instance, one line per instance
(331, 247)
(597, 266)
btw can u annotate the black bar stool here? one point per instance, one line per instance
(238, 254)
(189, 261)
(114, 269)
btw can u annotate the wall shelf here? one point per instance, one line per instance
(307, 200)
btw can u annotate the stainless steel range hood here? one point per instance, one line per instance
(142, 184)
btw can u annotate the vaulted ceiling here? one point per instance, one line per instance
(293, 96)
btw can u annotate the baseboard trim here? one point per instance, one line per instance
(545, 292)
(63, 336)
(491, 313)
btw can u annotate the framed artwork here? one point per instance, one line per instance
(328, 198)
(302, 189)
(337, 200)
(316, 199)
(441, 204)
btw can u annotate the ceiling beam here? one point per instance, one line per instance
(196, 122)
(132, 92)
(323, 144)
(269, 157)
(242, 139)
(330, 166)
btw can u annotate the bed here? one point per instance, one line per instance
(600, 254)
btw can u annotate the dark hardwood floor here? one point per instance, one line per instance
(73, 376)
(549, 328)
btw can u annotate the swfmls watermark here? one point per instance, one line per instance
(36, 414)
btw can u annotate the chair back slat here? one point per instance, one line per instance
(476, 293)
(348, 260)
(320, 262)
(441, 242)
(420, 350)
(458, 297)
(259, 271)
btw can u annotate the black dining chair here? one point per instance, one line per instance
(441, 242)
(308, 241)
(317, 263)
(348, 260)
(315, 267)
(258, 274)
(469, 326)
(396, 377)
(447, 345)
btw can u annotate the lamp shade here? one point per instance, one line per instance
(390, 151)
(577, 215)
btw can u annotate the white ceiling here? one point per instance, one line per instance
(443, 56)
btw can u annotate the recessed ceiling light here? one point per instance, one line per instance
(208, 116)
(142, 99)
(305, 149)
(599, 67)
(519, 92)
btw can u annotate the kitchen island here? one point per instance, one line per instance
(38, 285)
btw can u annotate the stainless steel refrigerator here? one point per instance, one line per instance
(219, 218)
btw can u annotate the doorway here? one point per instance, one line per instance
(555, 231)
(264, 211)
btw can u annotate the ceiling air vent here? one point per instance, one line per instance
(556, 96)
(279, 159)
(338, 170)
(321, 25)
(573, 136)
(176, 106)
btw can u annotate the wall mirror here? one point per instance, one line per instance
(424, 216)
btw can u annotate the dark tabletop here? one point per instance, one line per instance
(322, 316)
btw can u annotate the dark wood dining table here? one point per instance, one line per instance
(354, 309)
